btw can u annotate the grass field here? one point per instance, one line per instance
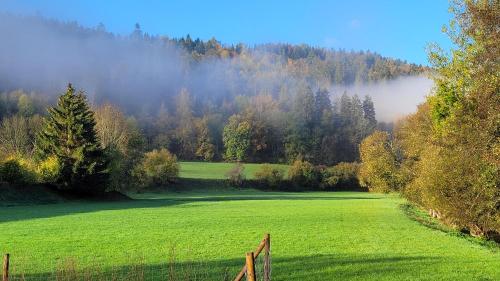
(315, 236)
(200, 170)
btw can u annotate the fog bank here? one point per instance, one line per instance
(392, 98)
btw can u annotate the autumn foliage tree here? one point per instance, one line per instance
(448, 152)
(236, 137)
(379, 168)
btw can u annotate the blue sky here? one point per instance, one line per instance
(398, 28)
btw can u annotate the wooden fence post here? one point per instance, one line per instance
(267, 258)
(250, 267)
(5, 268)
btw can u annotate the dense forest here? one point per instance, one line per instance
(193, 96)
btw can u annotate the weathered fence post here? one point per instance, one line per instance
(250, 267)
(267, 258)
(5, 268)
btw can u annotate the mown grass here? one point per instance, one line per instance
(202, 170)
(315, 236)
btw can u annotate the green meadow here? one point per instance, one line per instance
(202, 170)
(314, 235)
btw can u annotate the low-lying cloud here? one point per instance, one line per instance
(392, 98)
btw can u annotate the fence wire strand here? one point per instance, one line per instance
(71, 269)
(23, 267)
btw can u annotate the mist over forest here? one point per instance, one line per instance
(139, 71)
(184, 94)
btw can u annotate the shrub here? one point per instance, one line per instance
(269, 175)
(159, 167)
(17, 171)
(236, 175)
(341, 176)
(48, 170)
(304, 174)
(11, 171)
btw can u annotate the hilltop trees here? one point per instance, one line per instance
(69, 135)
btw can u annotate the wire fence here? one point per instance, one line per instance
(39, 268)
(70, 270)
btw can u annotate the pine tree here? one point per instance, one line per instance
(323, 108)
(323, 124)
(299, 142)
(69, 134)
(369, 114)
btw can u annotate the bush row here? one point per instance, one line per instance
(160, 168)
(301, 175)
(156, 168)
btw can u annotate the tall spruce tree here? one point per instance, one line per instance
(69, 134)
(299, 142)
(369, 114)
(323, 125)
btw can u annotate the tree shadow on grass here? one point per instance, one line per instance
(161, 198)
(298, 268)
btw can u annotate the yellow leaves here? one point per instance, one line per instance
(48, 169)
(378, 170)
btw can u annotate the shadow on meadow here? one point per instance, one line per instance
(320, 267)
(185, 192)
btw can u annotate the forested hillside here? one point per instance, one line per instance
(37, 49)
(193, 97)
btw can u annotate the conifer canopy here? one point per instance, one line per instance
(69, 135)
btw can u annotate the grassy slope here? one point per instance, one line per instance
(200, 170)
(315, 236)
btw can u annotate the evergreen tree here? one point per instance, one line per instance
(349, 127)
(323, 107)
(69, 135)
(299, 140)
(369, 114)
(323, 121)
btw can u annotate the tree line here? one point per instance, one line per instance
(74, 139)
(446, 156)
